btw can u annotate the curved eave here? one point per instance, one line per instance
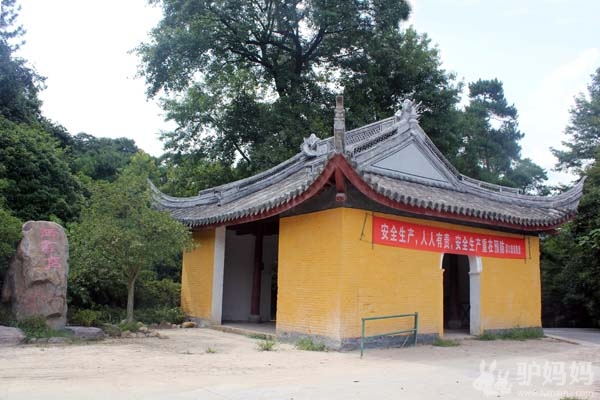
(385, 197)
(452, 213)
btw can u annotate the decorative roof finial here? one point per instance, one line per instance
(309, 145)
(410, 111)
(339, 126)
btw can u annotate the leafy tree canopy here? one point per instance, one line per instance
(490, 148)
(120, 233)
(583, 130)
(100, 158)
(38, 182)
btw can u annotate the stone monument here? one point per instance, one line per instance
(36, 281)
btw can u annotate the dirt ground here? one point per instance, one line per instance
(207, 364)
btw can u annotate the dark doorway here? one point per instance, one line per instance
(456, 292)
(250, 271)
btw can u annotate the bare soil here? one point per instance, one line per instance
(208, 364)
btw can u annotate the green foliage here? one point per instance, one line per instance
(10, 234)
(583, 129)
(441, 342)
(19, 84)
(101, 158)
(164, 293)
(87, 318)
(309, 345)
(490, 150)
(157, 315)
(258, 336)
(266, 345)
(35, 327)
(38, 184)
(513, 334)
(210, 350)
(246, 83)
(131, 326)
(121, 233)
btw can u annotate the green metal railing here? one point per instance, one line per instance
(413, 330)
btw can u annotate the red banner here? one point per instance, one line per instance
(390, 232)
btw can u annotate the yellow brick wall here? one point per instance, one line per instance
(384, 280)
(331, 275)
(197, 276)
(511, 290)
(309, 273)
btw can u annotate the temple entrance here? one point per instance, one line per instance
(250, 272)
(457, 303)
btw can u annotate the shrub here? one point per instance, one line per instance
(87, 318)
(163, 293)
(129, 326)
(309, 345)
(266, 345)
(513, 334)
(172, 315)
(35, 327)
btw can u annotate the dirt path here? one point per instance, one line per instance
(181, 368)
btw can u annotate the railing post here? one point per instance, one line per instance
(362, 338)
(416, 326)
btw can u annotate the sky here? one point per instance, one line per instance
(544, 51)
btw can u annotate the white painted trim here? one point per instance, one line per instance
(475, 268)
(218, 272)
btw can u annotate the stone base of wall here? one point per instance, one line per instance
(348, 344)
(201, 322)
(537, 329)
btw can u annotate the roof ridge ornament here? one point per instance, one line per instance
(339, 126)
(410, 111)
(309, 145)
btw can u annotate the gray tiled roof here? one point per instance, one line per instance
(442, 190)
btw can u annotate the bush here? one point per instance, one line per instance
(87, 318)
(309, 345)
(35, 327)
(129, 326)
(153, 293)
(513, 334)
(266, 345)
(173, 315)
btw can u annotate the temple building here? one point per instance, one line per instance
(370, 222)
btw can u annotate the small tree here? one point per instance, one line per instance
(121, 231)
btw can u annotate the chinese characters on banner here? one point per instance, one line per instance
(390, 232)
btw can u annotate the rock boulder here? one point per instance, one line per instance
(11, 336)
(36, 281)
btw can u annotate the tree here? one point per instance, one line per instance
(583, 129)
(250, 79)
(396, 65)
(121, 233)
(19, 84)
(38, 181)
(100, 158)
(570, 260)
(490, 146)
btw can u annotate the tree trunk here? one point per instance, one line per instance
(130, 293)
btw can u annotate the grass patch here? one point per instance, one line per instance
(266, 345)
(35, 328)
(513, 334)
(258, 336)
(309, 345)
(210, 350)
(129, 326)
(440, 342)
